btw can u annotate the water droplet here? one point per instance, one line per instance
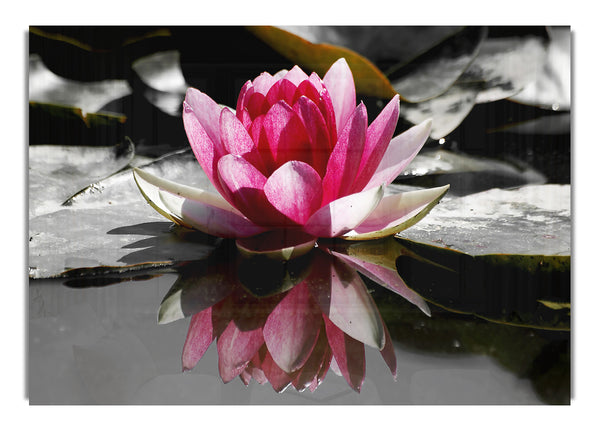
(555, 106)
(442, 141)
(456, 344)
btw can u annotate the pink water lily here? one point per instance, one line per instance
(297, 161)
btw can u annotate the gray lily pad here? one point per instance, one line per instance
(400, 44)
(47, 87)
(503, 67)
(109, 227)
(552, 87)
(531, 220)
(57, 172)
(433, 73)
(465, 173)
(165, 84)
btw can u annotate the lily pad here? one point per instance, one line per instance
(57, 172)
(531, 220)
(163, 79)
(552, 87)
(109, 227)
(502, 68)
(466, 173)
(434, 72)
(47, 87)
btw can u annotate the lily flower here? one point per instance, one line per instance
(297, 161)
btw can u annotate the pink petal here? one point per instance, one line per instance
(208, 217)
(239, 108)
(234, 135)
(286, 135)
(295, 190)
(206, 110)
(314, 90)
(242, 186)
(386, 277)
(397, 212)
(316, 81)
(206, 151)
(263, 82)
(342, 215)
(199, 337)
(343, 298)
(237, 141)
(236, 348)
(379, 134)
(282, 90)
(402, 149)
(387, 353)
(292, 328)
(318, 134)
(259, 136)
(310, 370)
(278, 378)
(349, 355)
(256, 104)
(296, 76)
(340, 84)
(346, 156)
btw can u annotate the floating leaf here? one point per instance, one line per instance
(57, 172)
(466, 173)
(434, 72)
(531, 220)
(109, 227)
(502, 68)
(47, 87)
(552, 87)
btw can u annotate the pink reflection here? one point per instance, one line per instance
(323, 320)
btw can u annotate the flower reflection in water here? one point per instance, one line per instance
(285, 322)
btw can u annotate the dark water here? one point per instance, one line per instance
(96, 340)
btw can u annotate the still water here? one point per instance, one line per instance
(99, 340)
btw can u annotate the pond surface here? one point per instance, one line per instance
(98, 340)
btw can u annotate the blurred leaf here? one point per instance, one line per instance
(531, 220)
(47, 87)
(96, 53)
(502, 68)
(435, 71)
(386, 46)
(319, 57)
(552, 87)
(164, 81)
